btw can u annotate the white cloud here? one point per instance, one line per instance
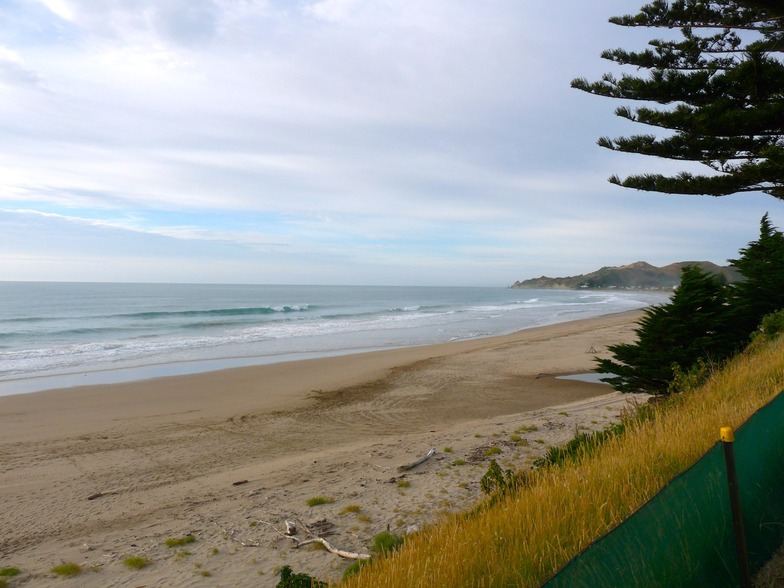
(379, 138)
(332, 10)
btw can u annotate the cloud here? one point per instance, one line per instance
(344, 140)
(332, 10)
(14, 72)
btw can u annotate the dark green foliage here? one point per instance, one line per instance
(386, 542)
(694, 377)
(694, 324)
(289, 579)
(762, 290)
(585, 444)
(705, 322)
(725, 86)
(772, 325)
(580, 445)
(499, 482)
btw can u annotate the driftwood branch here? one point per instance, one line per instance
(331, 548)
(413, 464)
(316, 538)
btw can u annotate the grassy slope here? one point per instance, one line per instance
(523, 538)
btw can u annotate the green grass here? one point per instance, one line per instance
(68, 569)
(493, 451)
(136, 563)
(403, 484)
(180, 541)
(9, 572)
(526, 429)
(459, 462)
(386, 542)
(349, 508)
(317, 500)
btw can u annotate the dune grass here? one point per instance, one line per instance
(519, 539)
(136, 563)
(180, 541)
(317, 500)
(68, 569)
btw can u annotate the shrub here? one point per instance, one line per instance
(498, 481)
(179, 541)
(136, 563)
(772, 325)
(288, 579)
(386, 542)
(9, 572)
(692, 379)
(67, 569)
(316, 500)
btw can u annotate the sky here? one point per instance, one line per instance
(388, 142)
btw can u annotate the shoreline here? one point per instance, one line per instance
(228, 456)
(142, 373)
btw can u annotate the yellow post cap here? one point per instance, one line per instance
(727, 434)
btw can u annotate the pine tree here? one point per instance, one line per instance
(762, 290)
(692, 326)
(725, 91)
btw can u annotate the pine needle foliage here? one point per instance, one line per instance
(723, 82)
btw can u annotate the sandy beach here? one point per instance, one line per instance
(97, 474)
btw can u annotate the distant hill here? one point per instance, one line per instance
(635, 276)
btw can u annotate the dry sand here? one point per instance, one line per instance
(230, 456)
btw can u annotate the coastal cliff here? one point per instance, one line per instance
(635, 276)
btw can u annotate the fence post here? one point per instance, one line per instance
(727, 438)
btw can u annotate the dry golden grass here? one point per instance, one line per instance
(523, 538)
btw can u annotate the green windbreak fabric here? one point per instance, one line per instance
(683, 536)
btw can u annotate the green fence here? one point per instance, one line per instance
(684, 536)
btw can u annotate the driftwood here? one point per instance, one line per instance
(291, 528)
(323, 527)
(414, 464)
(331, 548)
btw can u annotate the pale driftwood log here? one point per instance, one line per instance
(331, 548)
(414, 464)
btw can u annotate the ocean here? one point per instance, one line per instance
(55, 335)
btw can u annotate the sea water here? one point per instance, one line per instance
(64, 334)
